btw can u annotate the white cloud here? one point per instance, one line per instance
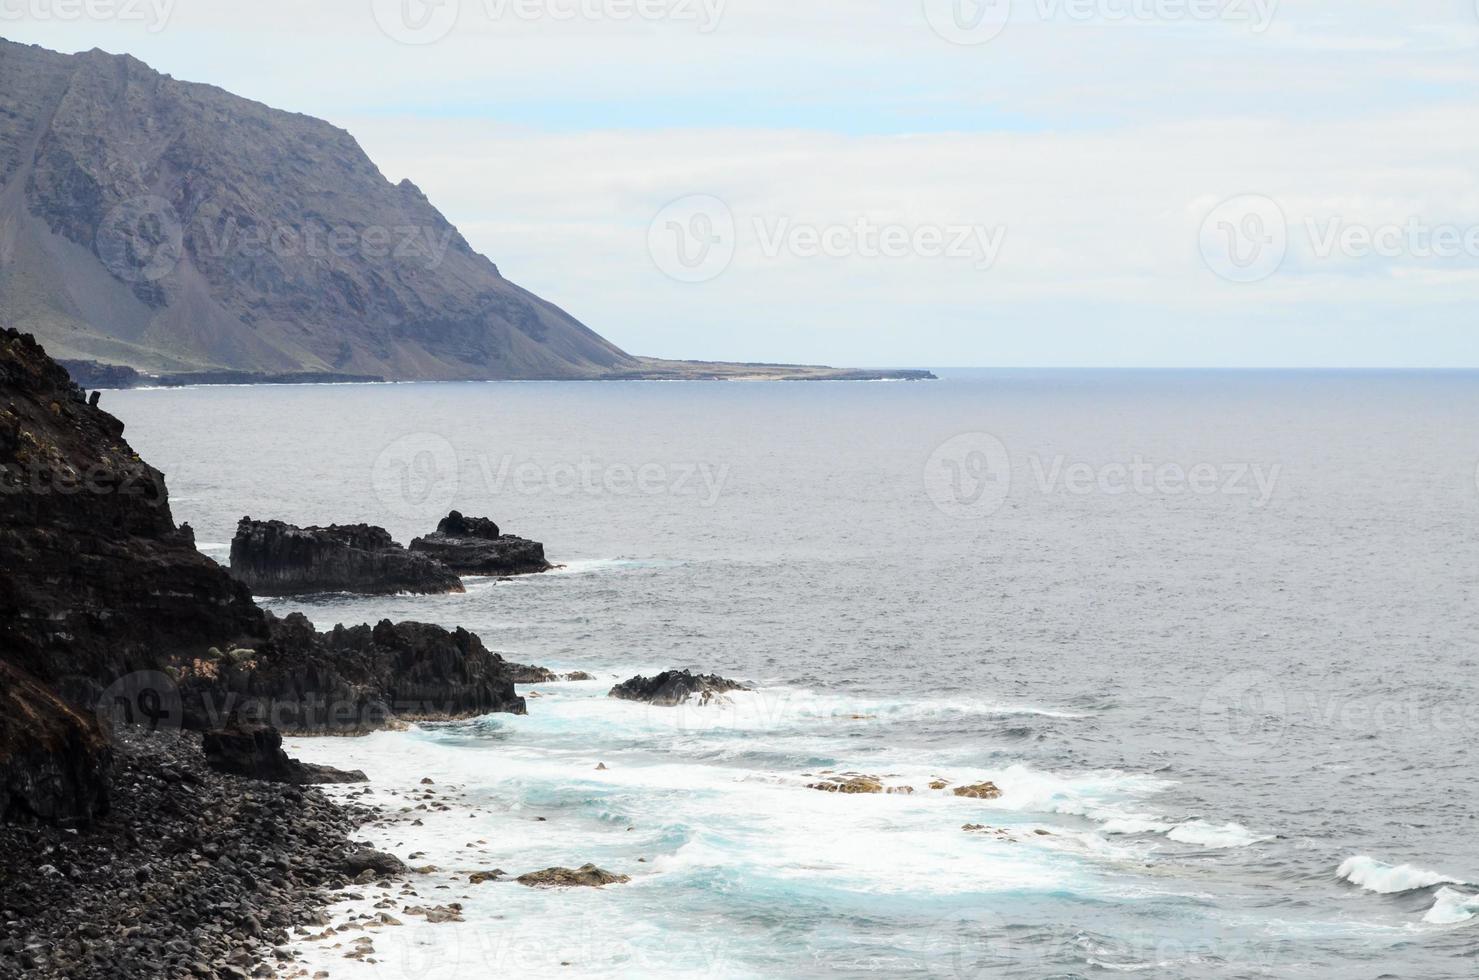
(1098, 146)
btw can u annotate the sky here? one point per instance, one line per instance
(1014, 183)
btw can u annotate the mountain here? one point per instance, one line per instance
(174, 227)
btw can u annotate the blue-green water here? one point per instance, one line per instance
(1214, 633)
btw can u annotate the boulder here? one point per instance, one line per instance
(255, 752)
(855, 784)
(525, 674)
(674, 687)
(377, 863)
(475, 546)
(276, 559)
(588, 876)
(980, 791)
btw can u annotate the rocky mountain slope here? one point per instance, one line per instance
(175, 227)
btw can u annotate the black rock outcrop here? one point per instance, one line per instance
(109, 616)
(475, 546)
(276, 559)
(255, 752)
(674, 687)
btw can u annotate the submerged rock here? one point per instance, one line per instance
(588, 876)
(854, 784)
(255, 751)
(525, 674)
(980, 791)
(674, 687)
(276, 559)
(476, 546)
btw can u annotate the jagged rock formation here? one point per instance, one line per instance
(173, 227)
(105, 602)
(475, 546)
(674, 687)
(255, 751)
(354, 679)
(277, 559)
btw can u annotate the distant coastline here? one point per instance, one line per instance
(98, 375)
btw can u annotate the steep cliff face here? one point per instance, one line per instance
(109, 614)
(98, 581)
(175, 227)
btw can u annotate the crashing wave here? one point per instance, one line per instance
(1386, 879)
(1452, 907)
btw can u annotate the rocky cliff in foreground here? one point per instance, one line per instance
(108, 613)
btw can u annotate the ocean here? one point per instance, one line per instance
(1212, 634)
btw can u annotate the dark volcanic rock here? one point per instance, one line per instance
(380, 864)
(255, 751)
(93, 374)
(105, 602)
(355, 679)
(53, 761)
(587, 876)
(674, 687)
(474, 546)
(96, 583)
(188, 866)
(526, 674)
(277, 559)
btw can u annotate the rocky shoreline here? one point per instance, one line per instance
(150, 823)
(191, 873)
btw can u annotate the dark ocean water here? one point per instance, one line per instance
(1215, 632)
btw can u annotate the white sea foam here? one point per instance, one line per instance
(1386, 879)
(1452, 907)
(1130, 826)
(1208, 835)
